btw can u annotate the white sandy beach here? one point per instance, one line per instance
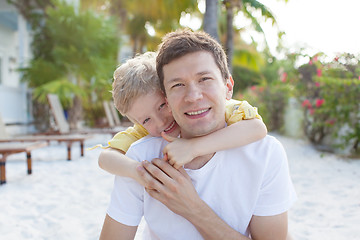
(68, 199)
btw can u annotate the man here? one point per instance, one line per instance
(234, 194)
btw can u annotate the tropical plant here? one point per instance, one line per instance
(330, 93)
(135, 16)
(77, 56)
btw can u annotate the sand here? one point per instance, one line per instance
(68, 199)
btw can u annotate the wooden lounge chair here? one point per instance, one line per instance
(7, 149)
(111, 114)
(63, 126)
(68, 139)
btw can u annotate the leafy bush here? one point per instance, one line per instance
(330, 96)
(271, 100)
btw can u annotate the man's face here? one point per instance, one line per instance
(196, 93)
(152, 112)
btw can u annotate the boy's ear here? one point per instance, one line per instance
(229, 88)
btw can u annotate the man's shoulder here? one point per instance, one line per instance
(266, 144)
(147, 141)
(147, 148)
(268, 139)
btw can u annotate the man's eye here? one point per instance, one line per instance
(145, 121)
(205, 78)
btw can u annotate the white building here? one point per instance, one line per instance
(15, 51)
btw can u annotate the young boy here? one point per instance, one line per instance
(137, 95)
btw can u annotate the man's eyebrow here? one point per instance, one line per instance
(203, 73)
(197, 74)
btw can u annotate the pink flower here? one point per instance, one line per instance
(310, 62)
(317, 84)
(283, 77)
(312, 111)
(331, 121)
(336, 59)
(306, 103)
(253, 88)
(359, 77)
(319, 72)
(319, 102)
(315, 58)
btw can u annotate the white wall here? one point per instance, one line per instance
(14, 53)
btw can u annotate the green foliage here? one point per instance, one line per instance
(271, 100)
(244, 78)
(74, 55)
(330, 95)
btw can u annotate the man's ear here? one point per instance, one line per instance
(229, 88)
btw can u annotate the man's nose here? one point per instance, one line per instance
(193, 93)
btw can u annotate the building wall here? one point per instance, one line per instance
(14, 53)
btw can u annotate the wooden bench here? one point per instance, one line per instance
(68, 139)
(7, 149)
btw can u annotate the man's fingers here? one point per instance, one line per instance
(184, 173)
(151, 182)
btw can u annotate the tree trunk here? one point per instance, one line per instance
(229, 45)
(75, 113)
(211, 19)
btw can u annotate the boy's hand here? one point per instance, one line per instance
(178, 152)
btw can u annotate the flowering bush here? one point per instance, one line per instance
(270, 99)
(330, 96)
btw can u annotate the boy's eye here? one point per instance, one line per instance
(177, 85)
(162, 105)
(145, 121)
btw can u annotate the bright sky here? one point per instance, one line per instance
(330, 26)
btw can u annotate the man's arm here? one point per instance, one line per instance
(115, 230)
(181, 151)
(269, 227)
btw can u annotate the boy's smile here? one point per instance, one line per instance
(152, 112)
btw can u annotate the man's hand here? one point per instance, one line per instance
(179, 151)
(170, 186)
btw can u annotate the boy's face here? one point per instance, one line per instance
(152, 112)
(196, 93)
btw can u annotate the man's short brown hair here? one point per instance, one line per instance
(181, 42)
(134, 78)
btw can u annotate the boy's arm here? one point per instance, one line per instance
(117, 163)
(181, 151)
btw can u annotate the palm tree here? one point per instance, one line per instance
(135, 15)
(247, 7)
(211, 19)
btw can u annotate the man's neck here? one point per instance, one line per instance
(199, 162)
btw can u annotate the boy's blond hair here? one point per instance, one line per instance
(134, 78)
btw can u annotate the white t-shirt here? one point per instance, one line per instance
(236, 183)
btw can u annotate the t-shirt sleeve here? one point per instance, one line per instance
(123, 140)
(240, 110)
(277, 193)
(126, 204)
(127, 197)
